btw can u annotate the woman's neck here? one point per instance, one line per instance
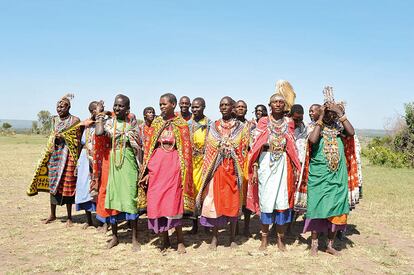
(169, 116)
(277, 116)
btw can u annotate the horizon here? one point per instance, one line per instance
(98, 49)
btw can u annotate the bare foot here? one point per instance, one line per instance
(69, 223)
(50, 219)
(85, 226)
(263, 245)
(233, 245)
(181, 248)
(332, 251)
(113, 242)
(103, 228)
(136, 246)
(314, 250)
(281, 245)
(165, 245)
(213, 244)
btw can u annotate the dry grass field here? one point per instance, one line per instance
(379, 240)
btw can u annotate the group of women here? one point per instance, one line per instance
(183, 165)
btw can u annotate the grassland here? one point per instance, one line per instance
(379, 239)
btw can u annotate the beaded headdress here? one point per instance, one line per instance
(67, 98)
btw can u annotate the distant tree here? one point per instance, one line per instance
(35, 128)
(6, 126)
(409, 116)
(45, 121)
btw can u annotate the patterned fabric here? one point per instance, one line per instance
(70, 131)
(116, 169)
(352, 169)
(301, 135)
(262, 135)
(183, 143)
(198, 136)
(219, 148)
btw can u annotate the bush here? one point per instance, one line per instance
(395, 150)
(382, 155)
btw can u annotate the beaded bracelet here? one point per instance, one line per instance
(343, 118)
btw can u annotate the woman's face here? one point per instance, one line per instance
(120, 108)
(226, 107)
(240, 109)
(62, 109)
(314, 112)
(329, 117)
(166, 107)
(277, 106)
(259, 113)
(149, 115)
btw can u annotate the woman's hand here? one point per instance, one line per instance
(335, 108)
(144, 181)
(255, 177)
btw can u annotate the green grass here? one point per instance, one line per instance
(23, 139)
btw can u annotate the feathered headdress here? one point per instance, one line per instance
(67, 98)
(285, 89)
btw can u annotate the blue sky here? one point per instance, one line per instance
(97, 49)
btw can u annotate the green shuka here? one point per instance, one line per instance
(121, 193)
(327, 190)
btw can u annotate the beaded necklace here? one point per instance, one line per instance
(167, 134)
(277, 139)
(226, 146)
(330, 148)
(122, 144)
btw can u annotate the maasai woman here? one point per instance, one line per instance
(167, 174)
(84, 185)
(330, 173)
(240, 111)
(62, 163)
(220, 196)
(273, 164)
(199, 126)
(145, 128)
(117, 198)
(56, 171)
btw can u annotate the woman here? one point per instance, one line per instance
(83, 198)
(167, 174)
(273, 165)
(56, 171)
(117, 198)
(330, 173)
(220, 196)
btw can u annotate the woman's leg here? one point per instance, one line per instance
(52, 215)
(232, 242)
(314, 245)
(135, 244)
(214, 241)
(114, 241)
(281, 229)
(330, 249)
(69, 222)
(165, 241)
(265, 240)
(180, 240)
